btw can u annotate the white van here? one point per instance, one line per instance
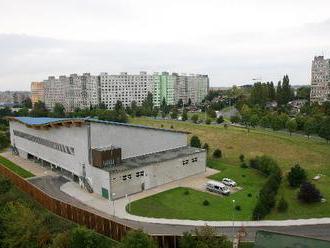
(217, 187)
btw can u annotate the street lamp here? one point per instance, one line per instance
(113, 204)
(129, 203)
(233, 218)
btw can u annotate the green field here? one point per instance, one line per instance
(175, 204)
(311, 154)
(15, 168)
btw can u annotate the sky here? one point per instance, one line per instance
(233, 41)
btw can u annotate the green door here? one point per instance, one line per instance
(105, 193)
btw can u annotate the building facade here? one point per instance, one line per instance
(83, 91)
(111, 159)
(320, 81)
(37, 92)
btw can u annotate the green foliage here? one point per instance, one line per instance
(310, 126)
(282, 205)
(292, 125)
(39, 110)
(217, 153)
(235, 119)
(296, 176)
(58, 111)
(206, 146)
(174, 113)
(137, 239)
(27, 103)
(324, 131)
(241, 157)
(195, 142)
(208, 122)
(185, 115)
(211, 113)
(186, 192)
(194, 118)
(284, 93)
(206, 203)
(4, 140)
(220, 119)
(304, 92)
(15, 168)
(5, 185)
(238, 208)
(308, 193)
(265, 164)
(83, 237)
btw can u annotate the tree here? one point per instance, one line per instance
(235, 119)
(187, 240)
(174, 114)
(211, 113)
(217, 153)
(220, 119)
(4, 140)
(39, 110)
(208, 121)
(296, 176)
(180, 103)
(27, 103)
(324, 131)
(308, 193)
(83, 237)
(195, 142)
(189, 102)
(23, 112)
(304, 92)
(241, 158)
(137, 239)
(164, 108)
(194, 118)
(310, 126)
(147, 105)
(291, 125)
(184, 115)
(58, 111)
(206, 146)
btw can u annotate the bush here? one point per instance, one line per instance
(206, 203)
(206, 146)
(220, 119)
(249, 195)
(5, 186)
(235, 119)
(195, 142)
(309, 193)
(217, 153)
(172, 126)
(241, 157)
(208, 121)
(296, 176)
(194, 118)
(282, 205)
(186, 192)
(244, 165)
(137, 238)
(238, 208)
(161, 125)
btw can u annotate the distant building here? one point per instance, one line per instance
(84, 91)
(12, 98)
(109, 158)
(320, 81)
(37, 92)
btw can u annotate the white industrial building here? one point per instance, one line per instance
(111, 159)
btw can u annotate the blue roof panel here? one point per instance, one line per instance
(39, 120)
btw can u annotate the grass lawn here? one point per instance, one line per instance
(312, 154)
(15, 168)
(175, 204)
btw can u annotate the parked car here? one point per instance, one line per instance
(217, 187)
(229, 182)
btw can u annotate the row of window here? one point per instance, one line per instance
(129, 176)
(193, 160)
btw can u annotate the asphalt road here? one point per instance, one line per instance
(51, 185)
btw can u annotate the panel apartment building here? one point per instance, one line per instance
(77, 91)
(320, 83)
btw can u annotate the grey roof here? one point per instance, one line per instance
(153, 158)
(40, 121)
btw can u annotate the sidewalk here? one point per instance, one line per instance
(118, 208)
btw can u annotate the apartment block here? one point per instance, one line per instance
(37, 92)
(320, 82)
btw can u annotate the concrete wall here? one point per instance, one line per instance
(135, 141)
(157, 174)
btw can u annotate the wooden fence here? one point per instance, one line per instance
(80, 216)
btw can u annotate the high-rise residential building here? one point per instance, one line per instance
(37, 92)
(83, 91)
(125, 88)
(320, 89)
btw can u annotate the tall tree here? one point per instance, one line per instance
(58, 111)
(39, 110)
(148, 105)
(324, 131)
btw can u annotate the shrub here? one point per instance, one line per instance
(206, 203)
(217, 153)
(243, 175)
(195, 142)
(208, 121)
(186, 192)
(238, 207)
(249, 195)
(194, 118)
(172, 126)
(309, 193)
(225, 126)
(282, 205)
(220, 119)
(206, 146)
(235, 119)
(137, 238)
(5, 186)
(161, 125)
(244, 165)
(296, 176)
(241, 157)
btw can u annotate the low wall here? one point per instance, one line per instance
(80, 216)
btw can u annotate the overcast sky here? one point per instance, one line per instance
(232, 41)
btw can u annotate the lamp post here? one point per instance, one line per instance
(129, 203)
(233, 218)
(113, 204)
